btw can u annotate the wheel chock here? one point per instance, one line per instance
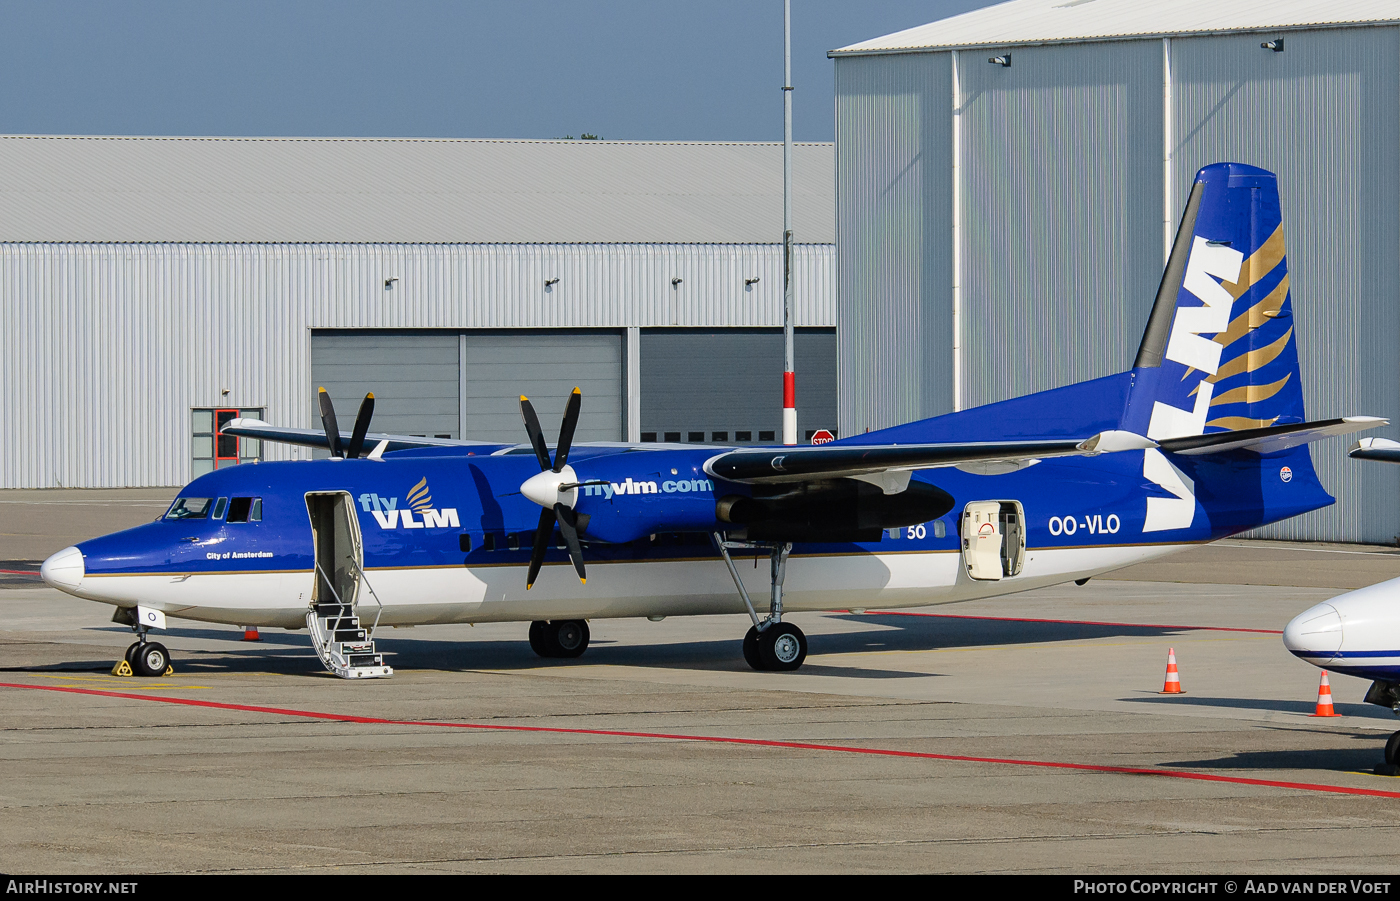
(122, 669)
(169, 669)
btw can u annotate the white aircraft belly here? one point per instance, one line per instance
(426, 595)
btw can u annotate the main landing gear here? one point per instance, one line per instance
(771, 645)
(559, 638)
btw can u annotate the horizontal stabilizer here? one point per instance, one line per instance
(256, 428)
(828, 461)
(1377, 449)
(1271, 439)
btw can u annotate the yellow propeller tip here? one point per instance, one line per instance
(577, 391)
(321, 390)
(524, 398)
(370, 395)
(582, 580)
(529, 585)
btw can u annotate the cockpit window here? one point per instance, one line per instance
(219, 506)
(190, 508)
(245, 509)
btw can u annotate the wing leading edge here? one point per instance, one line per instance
(256, 428)
(807, 463)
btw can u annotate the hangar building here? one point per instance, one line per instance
(1009, 182)
(152, 287)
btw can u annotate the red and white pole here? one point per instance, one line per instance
(789, 370)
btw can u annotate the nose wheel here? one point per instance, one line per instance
(148, 658)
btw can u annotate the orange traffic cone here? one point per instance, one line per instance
(1173, 684)
(250, 633)
(1324, 698)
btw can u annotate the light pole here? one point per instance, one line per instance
(789, 371)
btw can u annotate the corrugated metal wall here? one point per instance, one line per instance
(1060, 187)
(1062, 230)
(1323, 115)
(108, 346)
(893, 209)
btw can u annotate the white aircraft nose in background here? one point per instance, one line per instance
(1315, 634)
(1356, 633)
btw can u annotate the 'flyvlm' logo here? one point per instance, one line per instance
(420, 501)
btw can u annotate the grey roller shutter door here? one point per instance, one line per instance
(414, 379)
(544, 367)
(727, 381)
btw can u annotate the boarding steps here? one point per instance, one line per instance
(344, 646)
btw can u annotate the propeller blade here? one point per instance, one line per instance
(328, 422)
(567, 520)
(566, 430)
(532, 427)
(357, 438)
(542, 536)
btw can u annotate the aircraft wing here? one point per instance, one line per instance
(808, 463)
(1273, 438)
(1376, 449)
(256, 428)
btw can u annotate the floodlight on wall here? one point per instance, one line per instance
(389, 282)
(676, 282)
(1003, 61)
(1275, 45)
(550, 282)
(750, 282)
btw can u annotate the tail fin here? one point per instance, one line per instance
(1219, 353)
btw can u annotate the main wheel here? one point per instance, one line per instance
(131, 655)
(1392, 749)
(150, 659)
(783, 647)
(539, 639)
(570, 637)
(753, 656)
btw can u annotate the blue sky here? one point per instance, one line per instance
(621, 69)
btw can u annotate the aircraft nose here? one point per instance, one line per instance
(64, 570)
(1315, 634)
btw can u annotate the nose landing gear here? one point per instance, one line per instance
(143, 658)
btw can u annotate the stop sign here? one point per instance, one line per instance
(822, 436)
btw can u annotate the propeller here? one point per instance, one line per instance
(555, 488)
(357, 436)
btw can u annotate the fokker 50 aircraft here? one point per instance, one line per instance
(1358, 633)
(1202, 438)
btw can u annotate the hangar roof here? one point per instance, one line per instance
(401, 190)
(1057, 21)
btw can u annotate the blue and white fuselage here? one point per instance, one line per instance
(1203, 437)
(1084, 516)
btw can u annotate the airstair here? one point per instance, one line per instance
(345, 647)
(342, 641)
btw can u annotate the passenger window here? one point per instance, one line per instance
(190, 508)
(219, 506)
(464, 541)
(245, 509)
(488, 541)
